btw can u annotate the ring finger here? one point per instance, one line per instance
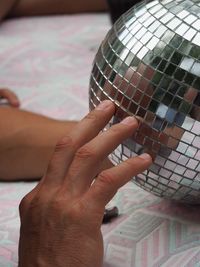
(65, 150)
(89, 158)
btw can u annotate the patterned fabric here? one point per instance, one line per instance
(47, 62)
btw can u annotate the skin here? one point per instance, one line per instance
(27, 140)
(5, 7)
(16, 8)
(10, 97)
(58, 215)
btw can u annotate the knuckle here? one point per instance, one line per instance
(117, 133)
(71, 212)
(116, 129)
(129, 164)
(85, 153)
(76, 212)
(37, 203)
(91, 116)
(27, 199)
(64, 143)
(59, 198)
(51, 169)
(25, 203)
(56, 206)
(105, 179)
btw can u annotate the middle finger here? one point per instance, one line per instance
(89, 158)
(83, 132)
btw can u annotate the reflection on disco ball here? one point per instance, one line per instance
(149, 65)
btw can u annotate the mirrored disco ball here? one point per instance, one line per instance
(149, 65)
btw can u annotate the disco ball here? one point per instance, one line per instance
(149, 65)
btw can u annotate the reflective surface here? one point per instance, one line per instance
(149, 64)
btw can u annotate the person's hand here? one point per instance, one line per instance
(61, 218)
(11, 97)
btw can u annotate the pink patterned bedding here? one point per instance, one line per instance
(47, 62)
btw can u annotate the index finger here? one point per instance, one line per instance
(84, 131)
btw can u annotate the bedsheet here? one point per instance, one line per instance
(47, 62)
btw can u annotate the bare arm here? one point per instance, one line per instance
(45, 7)
(27, 141)
(6, 6)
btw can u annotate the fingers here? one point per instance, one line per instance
(85, 130)
(13, 100)
(109, 181)
(88, 159)
(93, 123)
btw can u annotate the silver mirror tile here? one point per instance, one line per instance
(149, 65)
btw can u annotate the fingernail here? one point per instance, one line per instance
(129, 120)
(145, 156)
(104, 104)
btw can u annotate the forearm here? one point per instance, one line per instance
(27, 141)
(44, 7)
(6, 6)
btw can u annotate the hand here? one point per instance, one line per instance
(61, 218)
(10, 96)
